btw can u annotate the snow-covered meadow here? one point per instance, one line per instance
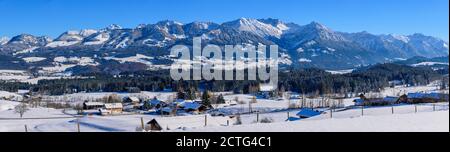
(234, 117)
(404, 118)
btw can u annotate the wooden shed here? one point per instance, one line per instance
(153, 125)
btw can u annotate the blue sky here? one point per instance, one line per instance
(52, 17)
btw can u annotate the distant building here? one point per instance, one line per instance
(23, 92)
(153, 125)
(391, 99)
(394, 83)
(427, 97)
(166, 110)
(155, 103)
(265, 91)
(132, 102)
(92, 105)
(376, 101)
(194, 107)
(112, 108)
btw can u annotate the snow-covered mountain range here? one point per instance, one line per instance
(311, 45)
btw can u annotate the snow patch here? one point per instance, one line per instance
(260, 28)
(122, 43)
(33, 59)
(304, 60)
(340, 71)
(139, 58)
(331, 49)
(310, 43)
(401, 38)
(99, 39)
(87, 32)
(429, 64)
(29, 50)
(4, 40)
(61, 43)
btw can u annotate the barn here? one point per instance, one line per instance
(153, 125)
(112, 108)
(92, 105)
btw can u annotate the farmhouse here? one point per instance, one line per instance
(363, 101)
(391, 100)
(132, 102)
(166, 110)
(194, 107)
(112, 108)
(427, 97)
(92, 105)
(155, 103)
(265, 91)
(179, 101)
(295, 95)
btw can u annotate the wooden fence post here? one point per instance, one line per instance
(415, 108)
(434, 107)
(362, 110)
(392, 109)
(228, 122)
(257, 117)
(26, 128)
(331, 112)
(142, 123)
(206, 120)
(78, 125)
(288, 115)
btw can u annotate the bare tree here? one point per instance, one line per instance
(21, 109)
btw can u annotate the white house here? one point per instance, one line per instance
(112, 108)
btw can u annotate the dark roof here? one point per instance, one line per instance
(154, 125)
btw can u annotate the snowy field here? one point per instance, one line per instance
(403, 117)
(420, 122)
(376, 119)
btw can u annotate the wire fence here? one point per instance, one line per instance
(347, 112)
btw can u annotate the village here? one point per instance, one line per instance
(163, 111)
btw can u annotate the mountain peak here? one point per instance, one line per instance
(418, 35)
(399, 37)
(270, 20)
(140, 26)
(29, 40)
(87, 32)
(317, 31)
(317, 25)
(3, 40)
(169, 22)
(23, 38)
(262, 27)
(203, 25)
(113, 27)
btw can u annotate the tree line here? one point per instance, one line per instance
(306, 81)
